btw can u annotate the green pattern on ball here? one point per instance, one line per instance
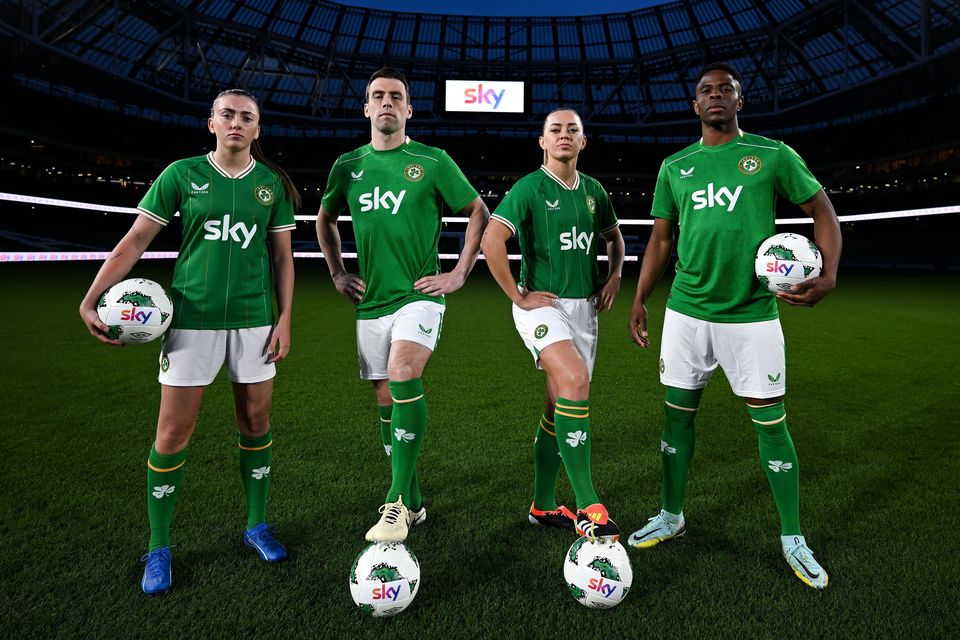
(605, 568)
(575, 549)
(577, 592)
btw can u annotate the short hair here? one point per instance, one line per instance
(719, 66)
(392, 74)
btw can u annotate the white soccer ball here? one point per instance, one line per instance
(785, 259)
(136, 310)
(598, 572)
(384, 579)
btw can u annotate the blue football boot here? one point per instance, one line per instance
(157, 577)
(261, 539)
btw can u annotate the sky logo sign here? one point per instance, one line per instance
(484, 96)
(778, 266)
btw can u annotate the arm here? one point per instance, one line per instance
(281, 255)
(826, 235)
(452, 280)
(494, 245)
(655, 260)
(606, 295)
(114, 269)
(348, 284)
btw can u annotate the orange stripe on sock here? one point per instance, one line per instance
(571, 415)
(564, 406)
(255, 448)
(544, 427)
(157, 469)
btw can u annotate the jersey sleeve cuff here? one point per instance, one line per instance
(610, 228)
(504, 221)
(286, 227)
(153, 216)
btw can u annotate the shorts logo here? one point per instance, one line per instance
(540, 331)
(264, 195)
(199, 188)
(773, 379)
(750, 165)
(164, 363)
(662, 367)
(413, 172)
(591, 204)
(425, 331)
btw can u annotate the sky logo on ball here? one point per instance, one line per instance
(598, 584)
(135, 315)
(387, 592)
(782, 268)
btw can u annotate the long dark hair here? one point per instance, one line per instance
(257, 152)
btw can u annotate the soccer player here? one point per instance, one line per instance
(720, 193)
(393, 188)
(560, 216)
(231, 201)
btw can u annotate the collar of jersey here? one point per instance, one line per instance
(576, 183)
(720, 147)
(399, 147)
(247, 169)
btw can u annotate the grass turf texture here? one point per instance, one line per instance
(870, 407)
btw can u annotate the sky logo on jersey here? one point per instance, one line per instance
(222, 230)
(712, 197)
(134, 315)
(597, 584)
(386, 200)
(783, 268)
(571, 240)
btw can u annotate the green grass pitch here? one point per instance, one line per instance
(872, 386)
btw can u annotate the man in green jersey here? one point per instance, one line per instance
(720, 193)
(236, 209)
(394, 189)
(560, 216)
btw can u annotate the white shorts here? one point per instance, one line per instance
(569, 319)
(420, 321)
(751, 355)
(193, 357)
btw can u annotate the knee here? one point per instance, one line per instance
(574, 384)
(253, 422)
(172, 436)
(401, 371)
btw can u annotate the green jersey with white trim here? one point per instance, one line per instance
(724, 201)
(394, 198)
(560, 229)
(222, 278)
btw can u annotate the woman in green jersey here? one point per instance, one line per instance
(559, 216)
(230, 201)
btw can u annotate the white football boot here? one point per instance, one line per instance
(801, 560)
(661, 527)
(392, 526)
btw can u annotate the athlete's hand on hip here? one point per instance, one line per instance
(278, 344)
(350, 286)
(604, 297)
(638, 325)
(809, 292)
(440, 284)
(535, 299)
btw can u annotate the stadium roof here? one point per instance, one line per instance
(309, 61)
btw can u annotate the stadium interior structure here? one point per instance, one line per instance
(103, 94)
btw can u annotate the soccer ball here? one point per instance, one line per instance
(598, 572)
(785, 259)
(136, 310)
(384, 579)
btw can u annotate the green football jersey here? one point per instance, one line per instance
(222, 278)
(394, 198)
(560, 229)
(724, 200)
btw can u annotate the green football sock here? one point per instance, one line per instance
(255, 457)
(572, 419)
(546, 465)
(409, 424)
(165, 473)
(779, 460)
(415, 499)
(677, 442)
